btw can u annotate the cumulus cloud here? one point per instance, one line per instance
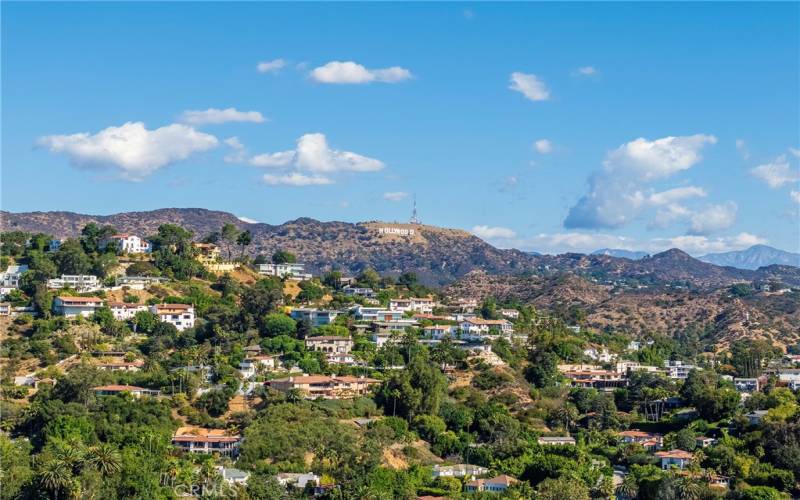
(349, 72)
(675, 194)
(556, 243)
(618, 192)
(795, 195)
(529, 85)
(585, 71)
(131, 149)
(296, 179)
(490, 233)
(395, 196)
(777, 172)
(312, 154)
(270, 66)
(216, 116)
(543, 146)
(713, 218)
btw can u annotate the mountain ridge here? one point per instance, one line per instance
(437, 255)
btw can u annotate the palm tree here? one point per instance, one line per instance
(628, 488)
(105, 459)
(566, 416)
(55, 476)
(688, 488)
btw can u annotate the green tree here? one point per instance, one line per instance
(421, 387)
(229, 235)
(277, 324)
(562, 488)
(244, 240)
(283, 257)
(71, 258)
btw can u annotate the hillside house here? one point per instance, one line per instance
(250, 366)
(650, 440)
(192, 439)
(79, 282)
(113, 390)
(11, 276)
(181, 316)
(478, 327)
(127, 243)
(364, 313)
(329, 344)
(123, 311)
(423, 305)
(72, 307)
(496, 484)
(293, 271)
(459, 470)
(326, 387)
(316, 317)
(556, 441)
(120, 365)
(354, 291)
(674, 458)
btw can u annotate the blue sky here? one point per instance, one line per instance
(549, 127)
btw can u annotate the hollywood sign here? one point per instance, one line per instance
(396, 230)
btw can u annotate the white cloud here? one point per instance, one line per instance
(312, 154)
(133, 150)
(795, 152)
(280, 159)
(795, 195)
(296, 179)
(247, 220)
(713, 218)
(530, 86)
(488, 232)
(588, 242)
(395, 196)
(585, 71)
(741, 147)
(650, 160)
(345, 72)
(216, 116)
(543, 146)
(675, 194)
(777, 173)
(617, 193)
(468, 14)
(270, 66)
(669, 215)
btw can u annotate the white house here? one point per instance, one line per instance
(113, 390)
(674, 458)
(329, 344)
(495, 484)
(459, 470)
(123, 311)
(602, 355)
(208, 441)
(289, 270)
(249, 367)
(509, 313)
(316, 317)
(233, 476)
(355, 291)
(127, 243)
(297, 479)
(440, 331)
(363, 313)
(10, 278)
(423, 305)
(179, 315)
(678, 369)
(80, 282)
(477, 326)
(76, 306)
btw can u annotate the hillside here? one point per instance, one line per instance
(437, 255)
(754, 257)
(716, 316)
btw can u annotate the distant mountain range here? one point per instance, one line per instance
(622, 254)
(754, 257)
(437, 255)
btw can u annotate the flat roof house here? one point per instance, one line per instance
(191, 439)
(179, 315)
(113, 390)
(316, 317)
(556, 440)
(459, 470)
(72, 307)
(127, 243)
(478, 326)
